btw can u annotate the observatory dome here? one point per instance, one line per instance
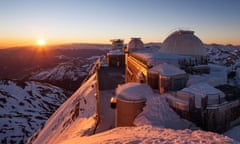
(183, 43)
(135, 43)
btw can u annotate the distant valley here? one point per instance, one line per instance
(29, 63)
(34, 82)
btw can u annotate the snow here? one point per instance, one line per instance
(92, 58)
(158, 113)
(153, 124)
(234, 133)
(201, 90)
(63, 57)
(150, 134)
(217, 76)
(167, 69)
(133, 91)
(223, 55)
(72, 69)
(25, 106)
(75, 117)
(116, 52)
(153, 56)
(60, 72)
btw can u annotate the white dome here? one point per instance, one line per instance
(183, 43)
(133, 91)
(135, 43)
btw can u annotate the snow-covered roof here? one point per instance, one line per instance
(135, 43)
(153, 57)
(201, 90)
(183, 43)
(133, 91)
(217, 76)
(167, 69)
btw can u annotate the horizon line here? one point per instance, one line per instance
(97, 43)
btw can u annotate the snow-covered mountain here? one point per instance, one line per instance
(68, 74)
(18, 63)
(72, 69)
(24, 107)
(77, 114)
(223, 54)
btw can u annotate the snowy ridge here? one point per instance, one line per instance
(223, 55)
(76, 117)
(72, 69)
(25, 106)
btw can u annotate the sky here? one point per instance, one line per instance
(22, 22)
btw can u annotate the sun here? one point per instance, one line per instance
(41, 42)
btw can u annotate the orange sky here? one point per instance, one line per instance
(71, 21)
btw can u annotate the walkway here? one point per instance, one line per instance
(109, 78)
(106, 112)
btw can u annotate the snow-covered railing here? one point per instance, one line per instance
(181, 100)
(222, 116)
(95, 66)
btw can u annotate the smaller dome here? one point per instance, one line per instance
(135, 43)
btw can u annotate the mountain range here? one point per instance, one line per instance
(34, 83)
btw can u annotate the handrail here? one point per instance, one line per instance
(94, 68)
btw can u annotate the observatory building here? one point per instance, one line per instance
(170, 70)
(166, 68)
(135, 43)
(116, 57)
(180, 72)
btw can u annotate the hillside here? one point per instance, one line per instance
(25, 106)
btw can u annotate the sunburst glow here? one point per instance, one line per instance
(41, 42)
